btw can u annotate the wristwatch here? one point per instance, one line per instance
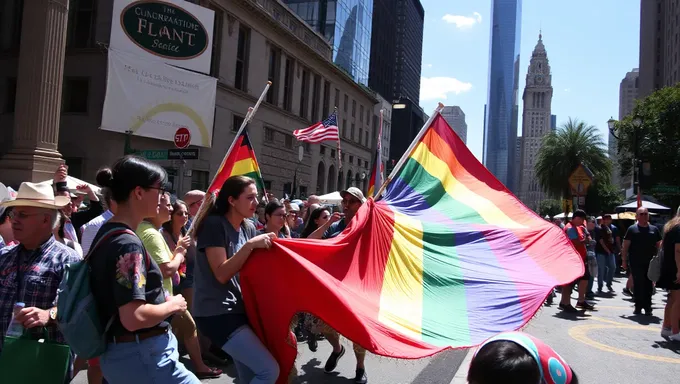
(53, 313)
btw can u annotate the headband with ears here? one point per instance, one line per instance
(553, 368)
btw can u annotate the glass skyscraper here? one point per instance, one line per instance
(501, 111)
(347, 25)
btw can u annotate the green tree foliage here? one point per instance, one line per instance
(550, 207)
(602, 197)
(658, 140)
(574, 143)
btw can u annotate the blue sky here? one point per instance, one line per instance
(591, 44)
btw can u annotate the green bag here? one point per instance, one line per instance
(26, 360)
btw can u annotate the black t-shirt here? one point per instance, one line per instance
(642, 243)
(604, 233)
(122, 271)
(669, 268)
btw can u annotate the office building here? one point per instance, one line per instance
(346, 24)
(407, 120)
(628, 94)
(536, 123)
(47, 125)
(553, 122)
(500, 122)
(659, 45)
(456, 119)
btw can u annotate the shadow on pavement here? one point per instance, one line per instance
(669, 345)
(642, 319)
(572, 316)
(312, 372)
(227, 369)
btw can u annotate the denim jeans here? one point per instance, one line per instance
(254, 364)
(153, 360)
(606, 267)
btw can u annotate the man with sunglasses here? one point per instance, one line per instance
(352, 199)
(641, 243)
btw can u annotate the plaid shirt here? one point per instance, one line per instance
(42, 270)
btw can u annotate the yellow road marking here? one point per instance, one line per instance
(580, 333)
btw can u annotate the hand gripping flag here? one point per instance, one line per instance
(448, 258)
(241, 161)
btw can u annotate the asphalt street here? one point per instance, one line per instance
(609, 345)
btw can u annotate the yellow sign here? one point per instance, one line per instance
(580, 180)
(567, 205)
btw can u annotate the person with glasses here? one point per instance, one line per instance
(352, 200)
(641, 243)
(128, 285)
(193, 200)
(275, 218)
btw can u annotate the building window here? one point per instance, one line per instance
(316, 95)
(351, 132)
(287, 188)
(242, 53)
(337, 98)
(268, 135)
(345, 103)
(236, 123)
(351, 159)
(288, 86)
(368, 117)
(322, 150)
(216, 41)
(326, 99)
(361, 135)
(354, 108)
(365, 163)
(308, 147)
(289, 141)
(81, 26)
(11, 13)
(274, 74)
(267, 184)
(344, 128)
(10, 94)
(303, 191)
(75, 94)
(361, 112)
(304, 94)
(332, 153)
(366, 138)
(199, 180)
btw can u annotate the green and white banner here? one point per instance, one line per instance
(153, 99)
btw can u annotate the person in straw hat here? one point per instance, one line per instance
(6, 235)
(30, 272)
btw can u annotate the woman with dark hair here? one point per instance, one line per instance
(317, 218)
(670, 278)
(58, 233)
(225, 241)
(275, 217)
(128, 285)
(518, 358)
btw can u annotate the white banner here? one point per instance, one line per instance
(153, 99)
(178, 32)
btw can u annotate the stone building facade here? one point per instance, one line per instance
(43, 121)
(536, 123)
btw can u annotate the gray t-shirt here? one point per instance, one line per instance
(212, 298)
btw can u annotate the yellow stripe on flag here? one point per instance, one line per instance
(401, 299)
(244, 167)
(440, 170)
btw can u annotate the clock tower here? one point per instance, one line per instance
(536, 123)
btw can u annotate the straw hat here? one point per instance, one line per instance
(38, 195)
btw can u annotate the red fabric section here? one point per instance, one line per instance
(340, 284)
(581, 247)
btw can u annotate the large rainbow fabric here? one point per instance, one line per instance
(241, 161)
(448, 258)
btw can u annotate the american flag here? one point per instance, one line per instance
(326, 130)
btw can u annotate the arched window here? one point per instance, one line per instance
(348, 183)
(357, 180)
(340, 179)
(320, 178)
(331, 179)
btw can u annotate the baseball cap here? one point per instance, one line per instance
(354, 191)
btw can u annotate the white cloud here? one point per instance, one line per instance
(438, 88)
(567, 90)
(428, 65)
(463, 22)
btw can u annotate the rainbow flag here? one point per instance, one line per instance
(241, 161)
(448, 258)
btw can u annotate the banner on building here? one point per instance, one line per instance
(175, 31)
(153, 99)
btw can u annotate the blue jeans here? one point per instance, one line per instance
(254, 364)
(606, 267)
(153, 360)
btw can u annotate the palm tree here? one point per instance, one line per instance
(574, 143)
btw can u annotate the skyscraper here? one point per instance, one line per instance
(346, 24)
(659, 47)
(536, 123)
(500, 122)
(397, 49)
(456, 119)
(628, 93)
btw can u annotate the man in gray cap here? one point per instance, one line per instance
(352, 199)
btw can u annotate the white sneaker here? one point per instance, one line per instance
(666, 332)
(675, 337)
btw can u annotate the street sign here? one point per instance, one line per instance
(665, 189)
(154, 154)
(581, 201)
(182, 138)
(580, 180)
(186, 154)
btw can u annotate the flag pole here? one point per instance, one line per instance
(339, 149)
(406, 154)
(202, 211)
